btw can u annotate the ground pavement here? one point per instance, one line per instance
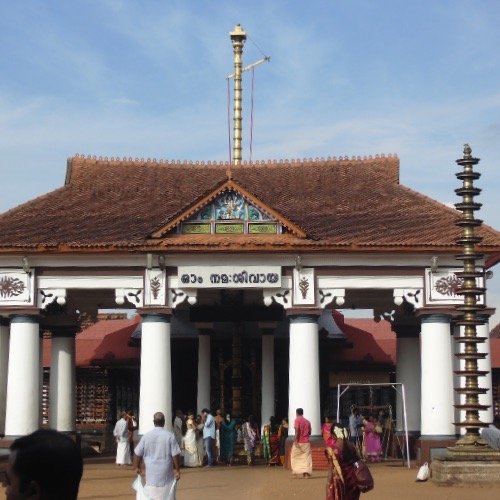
(105, 481)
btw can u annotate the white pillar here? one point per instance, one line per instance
(62, 383)
(4, 363)
(23, 384)
(303, 386)
(485, 382)
(267, 404)
(203, 396)
(408, 373)
(156, 372)
(437, 396)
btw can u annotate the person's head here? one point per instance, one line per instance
(130, 413)
(355, 410)
(285, 421)
(124, 415)
(159, 419)
(178, 413)
(299, 412)
(218, 412)
(205, 412)
(228, 417)
(44, 465)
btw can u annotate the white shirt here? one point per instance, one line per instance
(121, 429)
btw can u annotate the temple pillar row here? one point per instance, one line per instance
(437, 412)
(408, 373)
(156, 372)
(62, 382)
(203, 396)
(23, 384)
(267, 388)
(304, 390)
(4, 364)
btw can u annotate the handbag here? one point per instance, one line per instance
(364, 478)
(423, 473)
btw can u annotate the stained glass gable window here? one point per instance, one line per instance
(231, 213)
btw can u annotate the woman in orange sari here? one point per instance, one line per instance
(342, 456)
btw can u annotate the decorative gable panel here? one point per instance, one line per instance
(230, 209)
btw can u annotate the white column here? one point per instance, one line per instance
(267, 405)
(62, 384)
(203, 396)
(408, 373)
(4, 363)
(156, 372)
(437, 396)
(23, 384)
(303, 386)
(485, 382)
(457, 347)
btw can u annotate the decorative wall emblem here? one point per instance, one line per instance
(11, 286)
(16, 287)
(304, 286)
(155, 289)
(441, 287)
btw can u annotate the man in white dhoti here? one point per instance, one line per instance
(122, 441)
(160, 452)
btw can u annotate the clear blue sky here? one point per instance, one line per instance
(347, 77)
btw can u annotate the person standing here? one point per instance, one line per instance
(219, 420)
(160, 452)
(190, 445)
(122, 440)
(227, 440)
(250, 438)
(301, 457)
(133, 434)
(283, 434)
(355, 425)
(208, 435)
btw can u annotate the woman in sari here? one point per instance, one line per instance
(372, 445)
(282, 435)
(227, 440)
(342, 456)
(274, 443)
(266, 442)
(250, 438)
(190, 449)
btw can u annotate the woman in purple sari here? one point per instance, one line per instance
(373, 447)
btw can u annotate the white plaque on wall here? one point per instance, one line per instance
(441, 287)
(16, 288)
(155, 287)
(304, 287)
(229, 276)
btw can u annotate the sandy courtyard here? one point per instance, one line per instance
(104, 480)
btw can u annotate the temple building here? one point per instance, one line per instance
(235, 268)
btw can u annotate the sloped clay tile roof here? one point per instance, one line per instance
(117, 204)
(103, 343)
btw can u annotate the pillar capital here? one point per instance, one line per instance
(303, 314)
(63, 330)
(436, 318)
(25, 318)
(437, 311)
(4, 321)
(155, 314)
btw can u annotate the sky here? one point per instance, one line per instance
(346, 77)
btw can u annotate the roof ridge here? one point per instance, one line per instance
(221, 163)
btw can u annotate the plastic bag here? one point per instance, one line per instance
(423, 473)
(139, 489)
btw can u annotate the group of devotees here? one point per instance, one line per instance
(48, 464)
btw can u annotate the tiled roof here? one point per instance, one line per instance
(495, 331)
(102, 344)
(339, 203)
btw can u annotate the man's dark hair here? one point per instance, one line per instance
(159, 419)
(300, 411)
(205, 410)
(51, 459)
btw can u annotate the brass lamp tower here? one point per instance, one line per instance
(470, 307)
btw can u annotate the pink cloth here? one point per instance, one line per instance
(372, 440)
(302, 429)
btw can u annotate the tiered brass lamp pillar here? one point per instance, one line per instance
(238, 37)
(470, 308)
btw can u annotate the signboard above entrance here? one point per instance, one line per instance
(229, 276)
